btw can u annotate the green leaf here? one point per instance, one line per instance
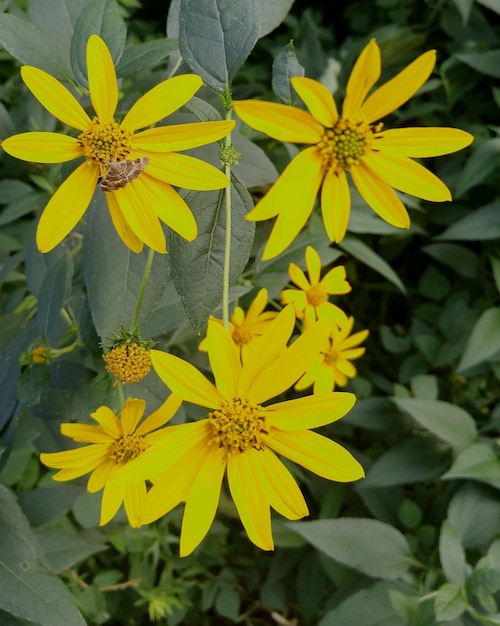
(42, 504)
(474, 510)
(23, 203)
(495, 268)
(484, 340)
(63, 551)
(375, 414)
(414, 459)
(425, 387)
(366, 255)
(113, 274)
(481, 224)
(487, 63)
(452, 554)
(462, 260)
(198, 266)
(286, 66)
(216, 36)
(367, 545)
(144, 56)
(479, 166)
(272, 14)
(100, 17)
(254, 168)
(478, 462)
(447, 421)
(54, 292)
(32, 382)
(449, 602)
(30, 591)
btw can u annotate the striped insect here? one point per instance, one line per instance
(121, 173)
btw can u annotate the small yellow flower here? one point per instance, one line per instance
(137, 207)
(333, 366)
(242, 435)
(311, 299)
(113, 444)
(39, 355)
(129, 362)
(353, 142)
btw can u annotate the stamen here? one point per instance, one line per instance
(127, 448)
(128, 362)
(316, 295)
(344, 144)
(241, 335)
(238, 426)
(105, 143)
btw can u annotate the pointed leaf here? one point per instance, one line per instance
(452, 554)
(272, 14)
(449, 602)
(145, 56)
(286, 66)
(478, 462)
(54, 293)
(484, 340)
(481, 224)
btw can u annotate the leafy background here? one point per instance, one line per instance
(417, 542)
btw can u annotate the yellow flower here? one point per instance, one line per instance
(311, 300)
(242, 435)
(333, 366)
(377, 160)
(136, 207)
(129, 362)
(244, 328)
(113, 444)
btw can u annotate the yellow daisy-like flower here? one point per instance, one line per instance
(107, 145)
(333, 366)
(113, 444)
(377, 160)
(311, 299)
(243, 435)
(244, 328)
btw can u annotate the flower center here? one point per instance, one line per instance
(238, 425)
(241, 335)
(344, 144)
(127, 448)
(331, 356)
(316, 295)
(105, 143)
(128, 362)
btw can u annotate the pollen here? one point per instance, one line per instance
(38, 355)
(241, 336)
(105, 143)
(238, 426)
(316, 295)
(128, 362)
(126, 448)
(343, 145)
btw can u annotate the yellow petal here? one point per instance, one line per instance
(317, 454)
(135, 495)
(42, 147)
(380, 197)
(318, 100)
(313, 263)
(422, 142)
(298, 277)
(310, 411)
(335, 205)
(103, 88)
(108, 421)
(66, 207)
(131, 414)
(55, 97)
(325, 380)
(185, 380)
(100, 476)
(258, 305)
(395, 92)
(335, 282)
(83, 459)
(407, 176)
(330, 313)
(224, 359)
(161, 416)
(280, 121)
(85, 433)
(112, 498)
(126, 234)
(186, 171)
(295, 297)
(202, 501)
(161, 101)
(250, 498)
(181, 136)
(364, 75)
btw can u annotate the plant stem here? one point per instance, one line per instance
(227, 243)
(134, 327)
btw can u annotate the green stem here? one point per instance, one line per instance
(134, 327)
(227, 243)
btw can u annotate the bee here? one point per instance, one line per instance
(120, 173)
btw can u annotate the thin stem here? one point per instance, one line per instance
(134, 327)
(227, 243)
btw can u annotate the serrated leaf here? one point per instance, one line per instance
(30, 591)
(100, 17)
(482, 224)
(113, 274)
(478, 462)
(54, 292)
(198, 266)
(452, 554)
(449, 602)
(484, 340)
(216, 36)
(447, 421)
(286, 66)
(366, 255)
(369, 546)
(145, 55)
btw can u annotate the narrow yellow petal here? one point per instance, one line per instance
(407, 176)
(85, 433)
(55, 97)
(181, 136)
(202, 501)
(380, 197)
(134, 497)
(422, 142)
(41, 147)
(83, 459)
(318, 100)
(131, 414)
(108, 421)
(161, 101)
(185, 380)
(325, 380)
(395, 92)
(161, 416)
(126, 234)
(103, 88)
(298, 277)
(250, 498)
(112, 497)
(313, 263)
(316, 453)
(280, 121)
(100, 476)
(186, 171)
(364, 75)
(224, 359)
(66, 207)
(335, 205)
(310, 411)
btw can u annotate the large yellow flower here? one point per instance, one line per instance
(114, 442)
(376, 160)
(104, 142)
(242, 434)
